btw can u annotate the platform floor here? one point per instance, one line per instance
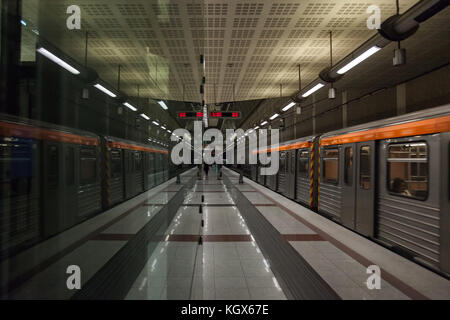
(214, 239)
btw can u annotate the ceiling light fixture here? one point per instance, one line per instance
(274, 116)
(104, 90)
(143, 115)
(129, 106)
(290, 105)
(155, 123)
(163, 105)
(312, 90)
(264, 123)
(359, 59)
(57, 60)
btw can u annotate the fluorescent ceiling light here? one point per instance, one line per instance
(312, 90)
(359, 59)
(169, 131)
(162, 127)
(104, 90)
(143, 115)
(256, 128)
(290, 105)
(163, 105)
(129, 106)
(23, 22)
(155, 123)
(264, 123)
(274, 116)
(57, 60)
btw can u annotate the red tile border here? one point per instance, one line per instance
(227, 238)
(303, 237)
(206, 238)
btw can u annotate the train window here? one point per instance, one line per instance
(348, 170)
(52, 167)
(408, 170)
(331, 166)
(364, 170)
(303, 163)
(116, 163)
(88, 166)
(137, 161)
(70, 166)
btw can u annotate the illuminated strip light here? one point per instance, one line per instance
(359, 59)
(312, 90)
(162, 127)
(290, 105)
(256, 128)
(23, 22)
(276, 115)
(155, 123)
(104, 90)
(169, 131)
(163, 105)
(143, 115)
(129, 106)
(57, 60)
(264, 123)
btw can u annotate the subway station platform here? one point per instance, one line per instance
(217, 239)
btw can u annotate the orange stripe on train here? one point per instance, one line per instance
(414, 128)
(8, 129)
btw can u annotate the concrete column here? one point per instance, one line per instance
(401, 99)
(344, 109)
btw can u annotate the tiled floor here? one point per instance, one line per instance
(227, 262)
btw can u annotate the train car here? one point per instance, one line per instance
(296, 177)
(50, 180)
(130, 169)
(389, 180)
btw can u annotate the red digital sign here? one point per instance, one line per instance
(227, 114)
(190, 115)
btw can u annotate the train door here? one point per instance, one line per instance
(408, 213)
(151, 170)
(139, 172)
(290, 171)
(281, 188)
(70, 188)
(365, 188)
(53, 221)
(348, 208)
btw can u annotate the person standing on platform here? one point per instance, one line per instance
(206, 168)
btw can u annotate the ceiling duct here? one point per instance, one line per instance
(401, 26)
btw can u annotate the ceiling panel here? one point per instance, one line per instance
(252, 45)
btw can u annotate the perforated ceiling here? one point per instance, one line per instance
(252, 45)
